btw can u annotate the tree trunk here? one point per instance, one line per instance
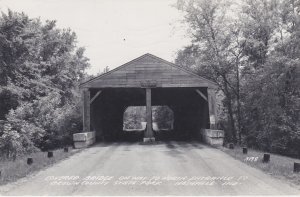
(230, 113)
(238, 103)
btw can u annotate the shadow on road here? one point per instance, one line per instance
(168, 144)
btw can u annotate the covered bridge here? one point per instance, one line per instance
(148, 81)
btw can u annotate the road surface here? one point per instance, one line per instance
(174, 168)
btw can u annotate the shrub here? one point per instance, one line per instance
(14, 143)
(43, 124)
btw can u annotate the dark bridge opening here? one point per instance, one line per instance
(120, 114)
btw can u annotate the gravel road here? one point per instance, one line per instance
(174, 168)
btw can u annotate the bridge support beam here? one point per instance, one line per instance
(211, 95)
(86, 111)
(86, 137)
(149, 135)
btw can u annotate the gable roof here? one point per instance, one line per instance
(148, 69)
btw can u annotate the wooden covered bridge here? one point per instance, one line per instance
(148, 81)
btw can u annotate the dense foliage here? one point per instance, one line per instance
(162, 115)
(40, 69)
(251, 49)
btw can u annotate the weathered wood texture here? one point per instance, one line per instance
(95, 97)
(149, 131)
(86, 111)
(201, 94)
(148, 69)
(212, 108)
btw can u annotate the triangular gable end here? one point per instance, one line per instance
(148, 70)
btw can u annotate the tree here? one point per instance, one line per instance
(215, 51)
(253, 55)
(40, 67)
(271, 94)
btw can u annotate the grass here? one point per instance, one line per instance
(279, 166)
(14, 170)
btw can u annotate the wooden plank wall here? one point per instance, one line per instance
(148, 69)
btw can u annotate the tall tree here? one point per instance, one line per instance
(40, 67)
(271, 94)
(253, 54)
(215, 49)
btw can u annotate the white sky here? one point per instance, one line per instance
(148, 26)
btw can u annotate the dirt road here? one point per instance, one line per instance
(174, 168)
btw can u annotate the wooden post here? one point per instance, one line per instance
(29, 161)
(266, 158)
(50, 154)
(245, 150)
(86, 111)
(296, 167)
(148, 136)
(211, 98)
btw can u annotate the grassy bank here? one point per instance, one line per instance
(14, 170)
(279, 166)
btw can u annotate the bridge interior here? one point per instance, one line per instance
(190, 111)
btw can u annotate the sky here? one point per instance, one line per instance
(113, 31)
